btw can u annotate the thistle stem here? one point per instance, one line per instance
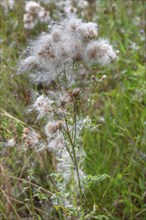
(76, 167)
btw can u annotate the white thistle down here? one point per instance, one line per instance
(55, 58)
(34, 13)
(100, 52)
(32, 7)
(70, 41)
(43, 106)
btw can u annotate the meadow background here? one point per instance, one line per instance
(118, 149)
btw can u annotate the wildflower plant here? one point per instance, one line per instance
(41, 11)
(61, 60)
(34, 13)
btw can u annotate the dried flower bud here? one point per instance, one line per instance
(88, 30)
(102, 78)
(52, 127)
(26, 130)
(32, 7)
(93, 78)
(43, 15)
(113, 8)
(31, 138)
(65, 99)
(74, 93)
(27, 18)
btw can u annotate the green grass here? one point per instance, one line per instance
(117, 148)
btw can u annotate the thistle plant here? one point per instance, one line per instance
(41, 11)
(34, 13)
(61, 61)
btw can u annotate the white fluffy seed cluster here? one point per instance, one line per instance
(73, 6)
(34, 13)
(31, 138)
(100, 51)
(72, 40)
(51, 56)
(43, 106)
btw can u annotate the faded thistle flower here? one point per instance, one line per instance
(100, 52)
(61, 59)
(34, 13)
(70, 41)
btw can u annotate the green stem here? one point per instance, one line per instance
(66, 133)
(76, 167)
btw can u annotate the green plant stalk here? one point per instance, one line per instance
(76, 167)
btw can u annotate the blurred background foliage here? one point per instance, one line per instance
(117, 149)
